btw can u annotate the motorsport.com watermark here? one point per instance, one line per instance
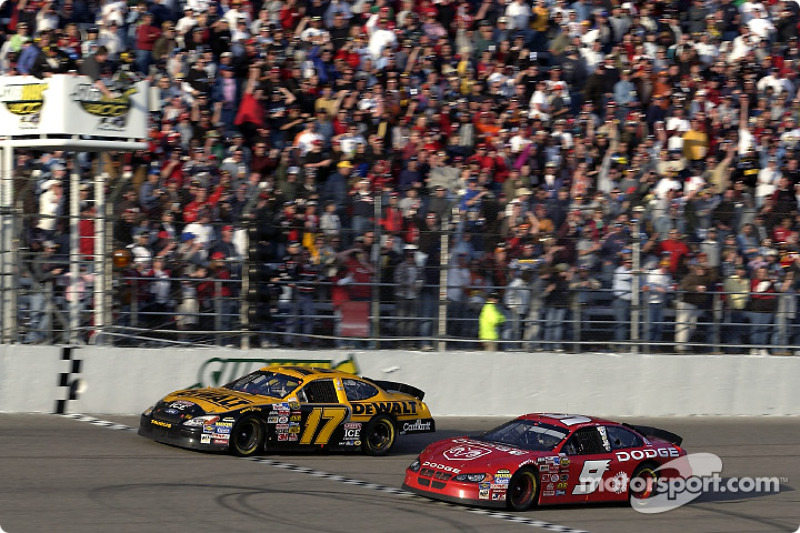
(686, 478)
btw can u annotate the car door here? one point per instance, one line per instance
(321, 413)
(594, 473)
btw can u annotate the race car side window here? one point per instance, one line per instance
(585, 441)
(621, 438)
(320, 391)
(358, 390)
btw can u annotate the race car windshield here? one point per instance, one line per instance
(265, 384)
(526, 434)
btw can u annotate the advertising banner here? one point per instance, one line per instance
(70, 105)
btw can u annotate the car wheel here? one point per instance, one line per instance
(643, 482)
(379, 436)
(523, 490)
(247, 437)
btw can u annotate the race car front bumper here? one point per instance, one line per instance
(438, 488)
(179, 435)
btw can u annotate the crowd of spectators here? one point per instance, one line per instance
(553, 144)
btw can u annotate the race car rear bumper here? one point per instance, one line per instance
(178, 435)
(453, 492)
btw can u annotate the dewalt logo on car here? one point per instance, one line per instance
(93, 101)
(23, 99)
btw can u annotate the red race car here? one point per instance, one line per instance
(545, 458)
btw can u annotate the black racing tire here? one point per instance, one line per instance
(379, 436)
(646, 472)
(523, 490)
(247, 437)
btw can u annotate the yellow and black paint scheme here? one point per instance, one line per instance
(306, 408)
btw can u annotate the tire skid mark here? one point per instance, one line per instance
(378, 487)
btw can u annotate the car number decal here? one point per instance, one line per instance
(333, 416)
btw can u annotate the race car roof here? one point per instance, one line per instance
(568, 421)
(304, 372)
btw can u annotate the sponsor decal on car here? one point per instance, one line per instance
(416, 425)
(564, 477)
(638, 455)
(394, 408)
(561, 485)
(439, 466)
(219, 441)
(283, 437)
(294, 429)
(205, 439)
(280, 427)
(503, 476)
(544, 468)
(499, 486)
(295, 418)
(352, 425)
(222, 429)
(283, 419)
(272, 419)
(466, 452)
(561, 493)
(181, 405)
(223, 436)
(550, 486)
(161, 424)
(499, 496)
(554, 478)
(492, 446)
(548, 493)
(293, 436)
(218, 398)
(171, 411)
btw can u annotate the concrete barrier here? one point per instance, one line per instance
(125, 381)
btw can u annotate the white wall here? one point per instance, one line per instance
(125, 381)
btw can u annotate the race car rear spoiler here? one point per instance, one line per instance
(393, 386)
(660, 434)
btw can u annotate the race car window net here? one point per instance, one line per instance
(265, 384)
(320, 391)
(585, 441)
(526, 434)
(620, 438)
(358, 390)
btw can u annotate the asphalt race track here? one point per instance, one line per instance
(94, 474)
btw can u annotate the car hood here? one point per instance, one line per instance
(219, 400)
(466, 454)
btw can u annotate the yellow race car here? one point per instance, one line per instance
(290, 407)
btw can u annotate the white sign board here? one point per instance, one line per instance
(70, 105)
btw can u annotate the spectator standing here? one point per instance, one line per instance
(736, 293)
(408, 278)
(657, 288)
(694, 302)
(556, 304)
(761, 310)
(490, 319)
(622, 289)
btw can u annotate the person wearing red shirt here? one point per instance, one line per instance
(676, 249)
(146, 35)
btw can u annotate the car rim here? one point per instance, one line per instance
(246, 437)
(649, 477)
(522, 491)
(381, 436)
